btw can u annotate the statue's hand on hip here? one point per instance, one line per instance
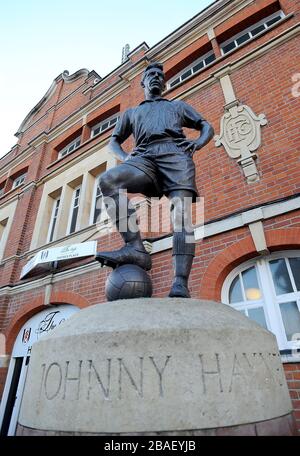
(188, 146)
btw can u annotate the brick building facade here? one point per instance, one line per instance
(237, 62)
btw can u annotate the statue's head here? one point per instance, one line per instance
(153, 80)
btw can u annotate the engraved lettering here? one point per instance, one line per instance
(247, 361)
(42, 380)
(72, 379)
(271, 371)
(92, 369)
(160, 372)
(205, 373)
(236, 372)
(122, 367)
(52, 383)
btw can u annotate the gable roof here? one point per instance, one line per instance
(67, 78)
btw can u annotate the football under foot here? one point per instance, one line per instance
(125, 255)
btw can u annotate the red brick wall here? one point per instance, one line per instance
(292, 373)
(3, 374)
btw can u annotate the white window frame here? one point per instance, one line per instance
(72, 207)
(263, 22)
(191, 67)
(53, 219)
(3, 227)
(70, 147)
(18, 181)
(101, 126)
(94, 201)
(270, 301)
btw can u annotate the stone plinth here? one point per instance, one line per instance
(153, 366)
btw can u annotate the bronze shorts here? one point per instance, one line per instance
(168, 166)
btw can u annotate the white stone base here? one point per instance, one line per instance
(150, 365)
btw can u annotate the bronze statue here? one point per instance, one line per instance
(160, 164)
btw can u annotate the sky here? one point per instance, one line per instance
(40, 39)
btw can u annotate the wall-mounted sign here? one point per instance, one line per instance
(47, 257)
(39, 325)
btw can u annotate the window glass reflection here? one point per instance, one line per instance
(291, 318)
(235, 292)
(280, 277)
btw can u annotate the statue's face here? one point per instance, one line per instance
(154, 81)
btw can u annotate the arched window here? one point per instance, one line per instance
(267, 290)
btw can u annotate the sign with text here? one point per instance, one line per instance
(46, 257)
(39, 325)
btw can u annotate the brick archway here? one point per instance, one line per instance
(66, 297)
(238, 253)
(36, 306)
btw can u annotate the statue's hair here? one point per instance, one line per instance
(149, 67)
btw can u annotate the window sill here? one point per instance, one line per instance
(224, 56)
(259, 35)
(287, 356)
(180, 84)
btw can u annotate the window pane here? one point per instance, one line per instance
(104, 126)
(272, 21)
(258, 315)
(228, 47)
(210, 59)
(258, 29)
(280, 276)
(235, 292)
(243, 38)
(19, 181)
(175, 82)
(52, 230)
(74, 220)
(56, 207)
(54, 219)
(251, 286)
(198, 66)
(186, 74)
(295, 266)
(98, 207)
(291, 318)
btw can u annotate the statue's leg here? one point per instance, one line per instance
(113, 184)
(183, 241)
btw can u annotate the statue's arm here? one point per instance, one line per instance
(116, 149)
(192, 119)
(122, 131)
(206, 134)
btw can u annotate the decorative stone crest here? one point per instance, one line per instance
(241, 137)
